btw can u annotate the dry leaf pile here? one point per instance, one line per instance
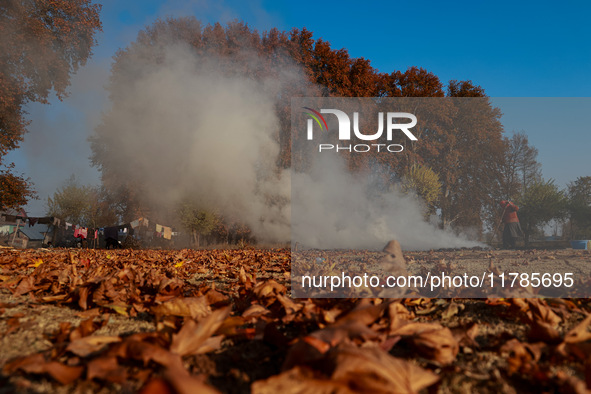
(223, 321)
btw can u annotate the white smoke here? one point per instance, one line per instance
(332, 208)
(185, 126)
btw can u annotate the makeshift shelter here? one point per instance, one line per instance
(28, 237)
(10, 220)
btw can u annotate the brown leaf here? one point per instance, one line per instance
(192, 335)
(331, 315)
(230, 325)
(542, 331)
(85, 328)
(83, 297)
(290, 306)
(350, 329)
(194, 307)
(522, 357)
(85, 346)
(543, 321)
(242, 275)
(94, 312)
(26, 285)
(13, 324)
(145, 352)
(269, 289)
(313, 346)
(364, 314)
(578, 340)
(255, 310)
(184, 383)
(465, 336)
(305, 351)
(537, 309)
(62, 334)
(352, 325)
(157, 386)
(215, 297)
(210, 344)
(171, 286)
(106, 368)
(580, 333)
(399, 315)
(432, 340)
(32, 364)
(54, 298)
(298, 380)
(36, 364)
(63, 373)
(373, 370)
(452, 310)
(438, 345)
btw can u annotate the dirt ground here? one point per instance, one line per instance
(224, 321)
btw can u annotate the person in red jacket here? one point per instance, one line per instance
(512, 229)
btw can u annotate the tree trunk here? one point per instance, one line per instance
(526, 235)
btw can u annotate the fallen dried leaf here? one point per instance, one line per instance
(85, 346)
(193, 335)
(195, 307)
(432, 340)
(373, 370)
(299, 380)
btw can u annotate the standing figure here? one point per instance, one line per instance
(512, 229)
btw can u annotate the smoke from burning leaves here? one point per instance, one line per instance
(188, 126)
(183, 128)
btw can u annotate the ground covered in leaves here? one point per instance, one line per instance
(223, 321)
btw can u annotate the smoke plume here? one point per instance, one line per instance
(332, 208)
(187, 127)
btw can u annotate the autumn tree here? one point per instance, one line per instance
(459, 134)
(15, 190)
(425, 183)
(200, 222)
(237, 51)
(470, 154)
(43, 43)
(579, 207)
(541, 202)
(81, 204)
(414, 82)
(521, 167)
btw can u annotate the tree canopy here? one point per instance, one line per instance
(43, 43)
(541, 202)
(199, 221)
(424, 182)
(471, 153)
(79, 204)
(579, 207)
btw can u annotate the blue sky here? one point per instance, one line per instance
(512, 49)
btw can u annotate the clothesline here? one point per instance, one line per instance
(161, 231)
